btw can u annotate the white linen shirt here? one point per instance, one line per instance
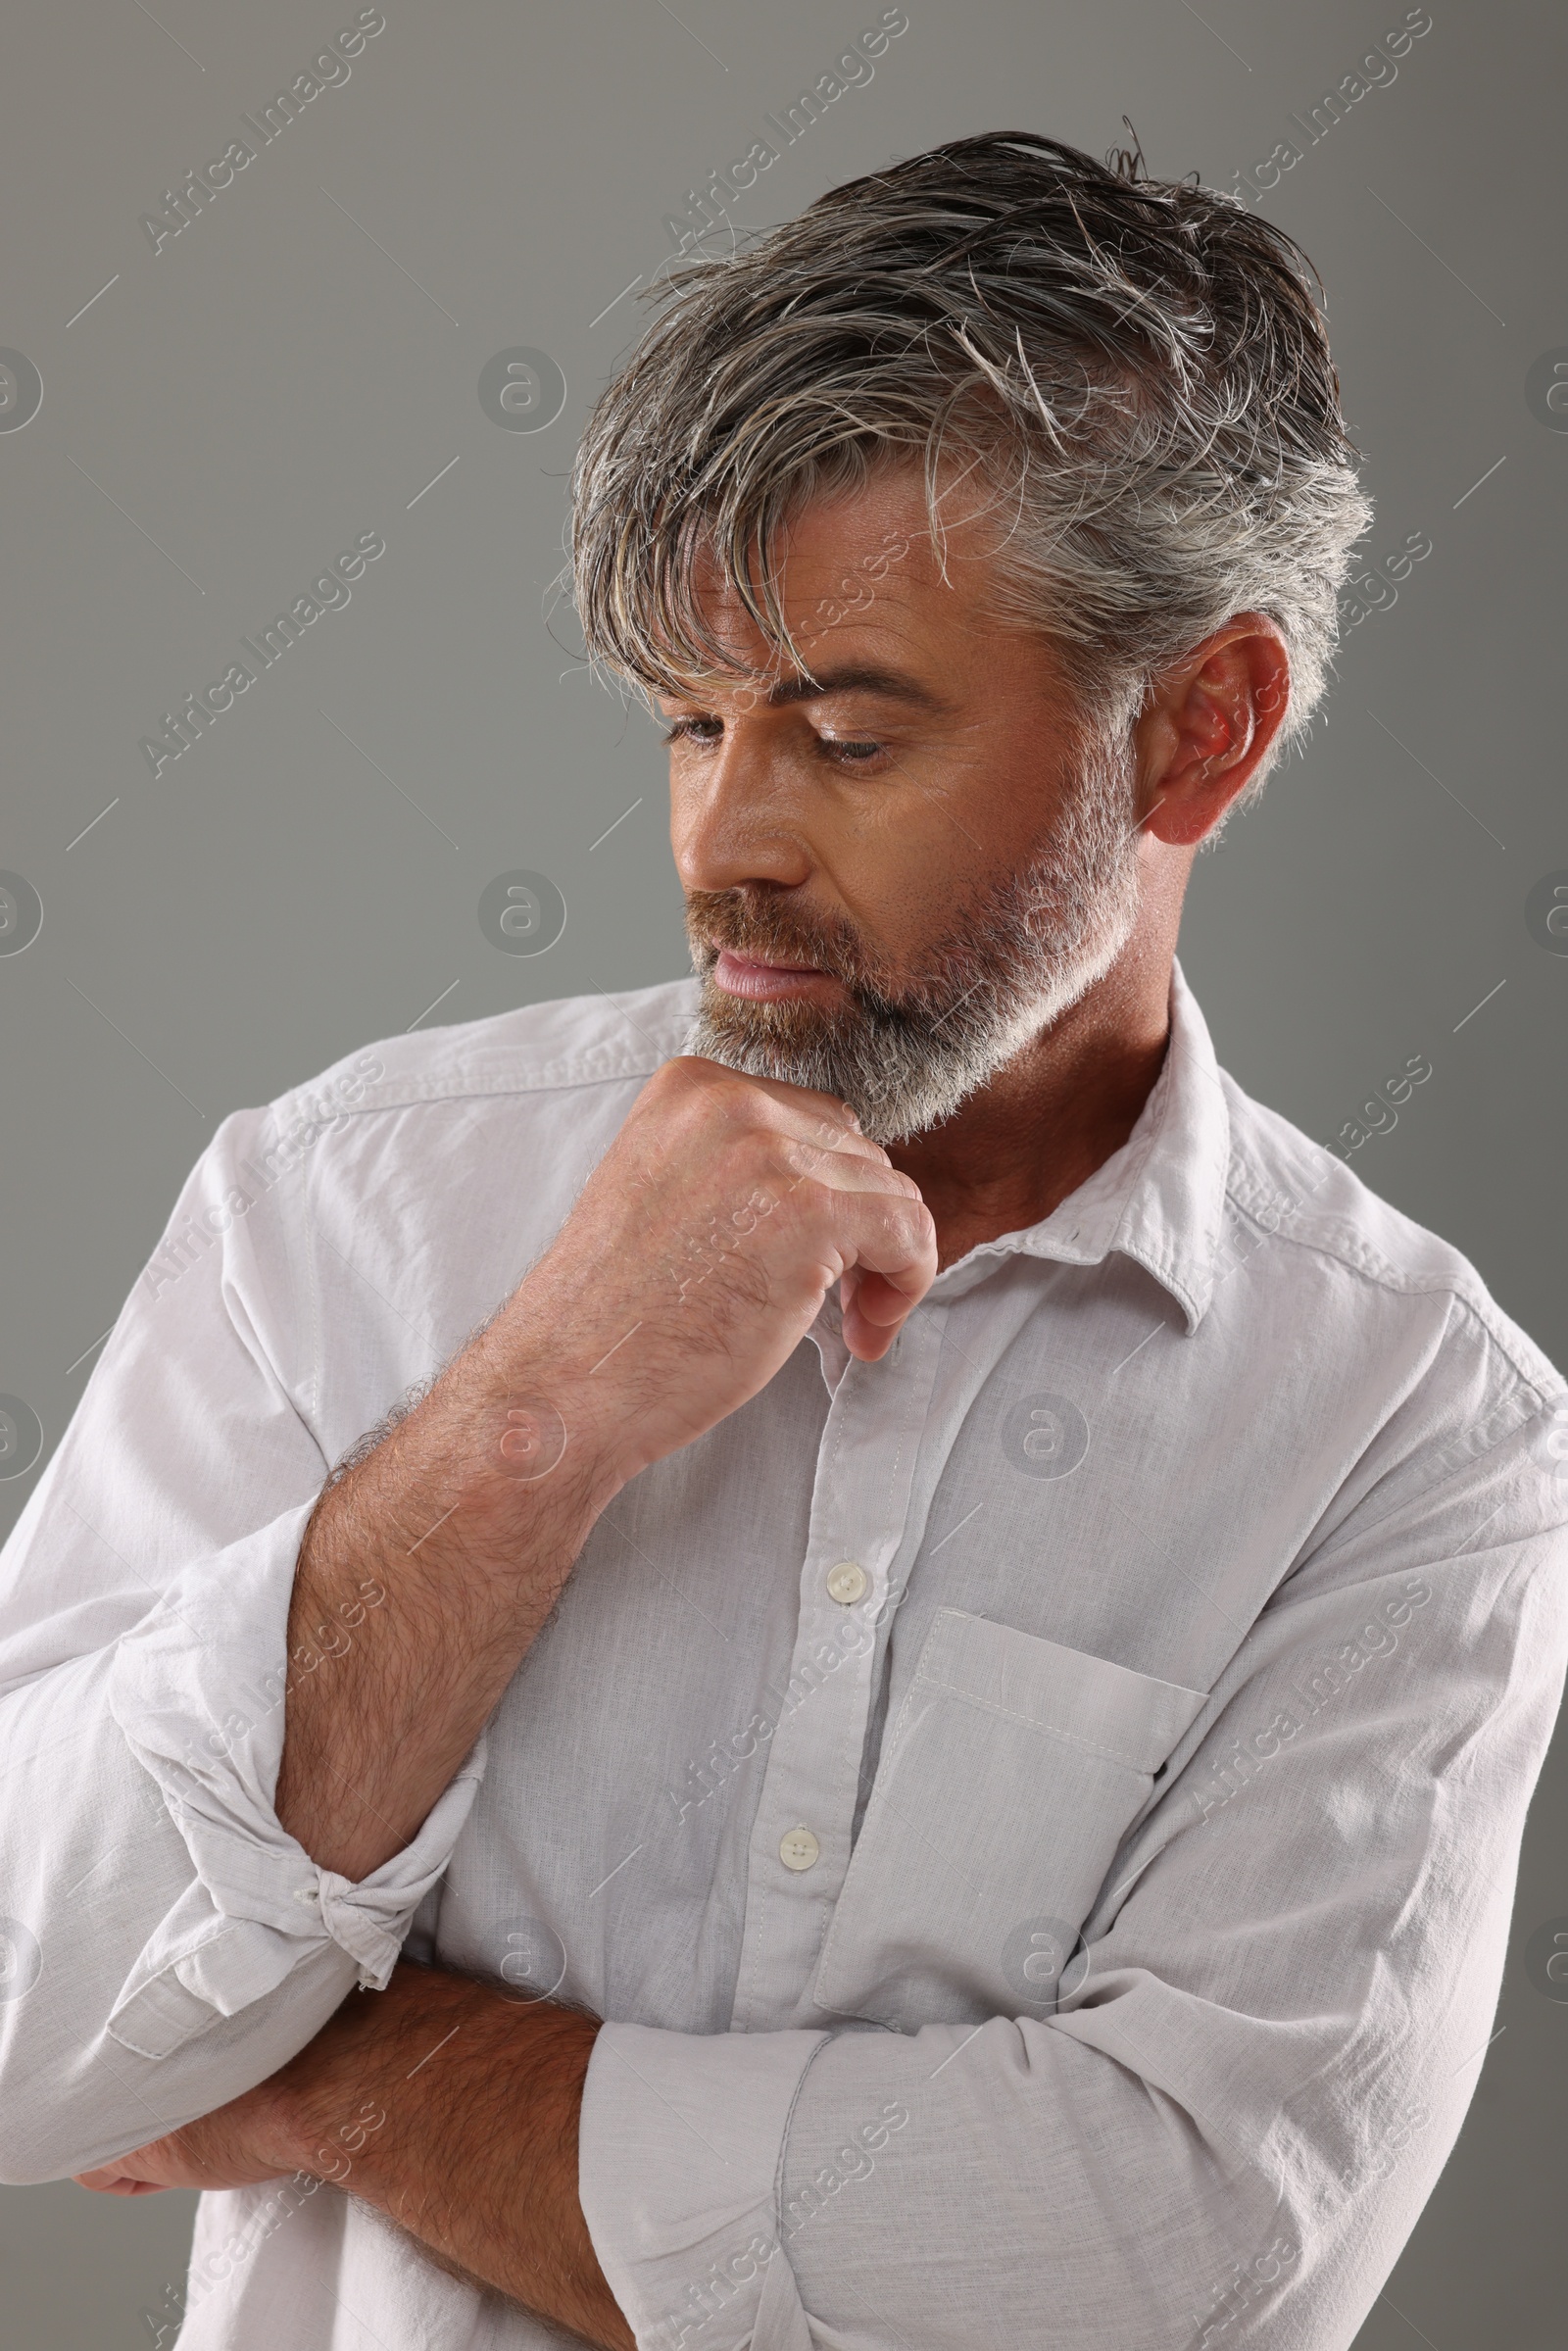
(1039, 1814)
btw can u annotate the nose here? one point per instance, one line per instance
(731, 818)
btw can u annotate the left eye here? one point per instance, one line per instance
(852, 749)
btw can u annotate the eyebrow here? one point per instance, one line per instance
(856, 677)
(853, 677)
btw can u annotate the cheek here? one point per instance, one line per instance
(899, 886)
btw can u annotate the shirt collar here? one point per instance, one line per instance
(1159, 1199)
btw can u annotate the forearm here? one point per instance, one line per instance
(454, 2109)
(426, 1572)
(696, 1259)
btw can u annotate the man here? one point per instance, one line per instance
(964, 1587)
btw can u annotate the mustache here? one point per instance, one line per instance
(772, 932)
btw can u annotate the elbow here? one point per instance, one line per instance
(44, 2138)
(72, 2099)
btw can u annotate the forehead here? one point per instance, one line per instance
(853, 567)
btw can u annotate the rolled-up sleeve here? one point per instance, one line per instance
(679, 2151)
(197, 1693)
(170, 1942)
(1224, 2131)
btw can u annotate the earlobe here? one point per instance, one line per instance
(1190, 805)
(1218, 714)
(1180, 822)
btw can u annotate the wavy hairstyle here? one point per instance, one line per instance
(1137, 371)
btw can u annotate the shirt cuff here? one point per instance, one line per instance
(679, 2154)
(198, 1690)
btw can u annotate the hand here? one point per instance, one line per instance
(693, 1263)
(699, 1256)
(452, 2107)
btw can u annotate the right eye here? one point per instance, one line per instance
(694, 730)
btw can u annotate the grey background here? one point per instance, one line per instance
(286, 374)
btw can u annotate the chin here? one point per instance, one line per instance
(894, 1076)
(901, 1070)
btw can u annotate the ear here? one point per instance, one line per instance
(1207, 728)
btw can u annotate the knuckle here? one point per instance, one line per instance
(800, 1201)
(677, 1076)
(906, 1224)
(898, 1223)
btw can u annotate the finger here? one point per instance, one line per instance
(890, 1234)
(804, 1109)
(805, 1098)
(872, 1314)
(115, 2183)
(889, 1242)
(866, 1168)
(816, 1121)
(878, 1302)
(827, 1144)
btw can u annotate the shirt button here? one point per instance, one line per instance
(798, 1849)
(308, 1895)
(847, 1583)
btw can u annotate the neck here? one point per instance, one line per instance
(1055, 1112)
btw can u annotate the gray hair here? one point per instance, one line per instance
(1137, 370)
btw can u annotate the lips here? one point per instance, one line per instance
(765, 983)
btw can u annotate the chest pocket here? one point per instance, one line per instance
(1005, 1787)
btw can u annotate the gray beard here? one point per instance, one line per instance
(1020, 952)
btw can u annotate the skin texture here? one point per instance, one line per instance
(694, 1262)
(962, 778)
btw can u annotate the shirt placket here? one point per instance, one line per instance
(801, 1839)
